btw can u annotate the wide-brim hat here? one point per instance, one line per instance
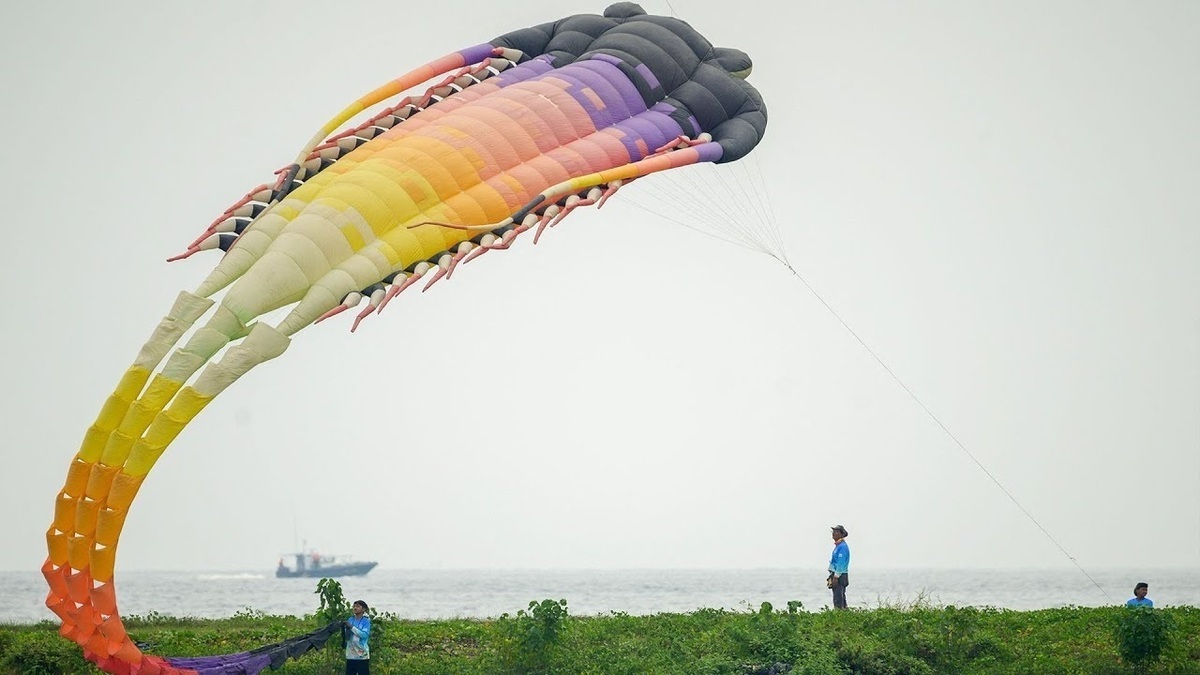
(839, 528)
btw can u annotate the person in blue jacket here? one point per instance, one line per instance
(839, 567)
(358, 630)
(1139, 598)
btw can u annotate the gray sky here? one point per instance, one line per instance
(1001, 199)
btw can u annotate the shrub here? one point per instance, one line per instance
(860, 657)
(531, 638)
(1141, 634)
(334, 606)
(771, 640)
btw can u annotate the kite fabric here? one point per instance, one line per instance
(519, 132)
(257, 660)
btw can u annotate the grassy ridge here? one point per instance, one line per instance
(546, 639)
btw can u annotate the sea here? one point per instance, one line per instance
(464, 593)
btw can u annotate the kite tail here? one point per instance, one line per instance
(257, 660)
(133, 429)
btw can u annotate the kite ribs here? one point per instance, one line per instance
(335, 147)
(681, 142)
(554, 214)
(410, 279)
(374, 293)
(349, 302)
(222, 241)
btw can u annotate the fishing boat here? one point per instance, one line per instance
(313, 564)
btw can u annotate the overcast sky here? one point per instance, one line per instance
(1001, 199)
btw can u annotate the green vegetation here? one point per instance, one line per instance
(1142, 636)
(917, 639)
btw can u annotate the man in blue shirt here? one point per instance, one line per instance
(1139, 598)
(839, 567)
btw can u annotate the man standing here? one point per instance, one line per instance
(839, 567)
(1139, 598)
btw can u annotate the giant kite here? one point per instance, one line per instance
(507, 136)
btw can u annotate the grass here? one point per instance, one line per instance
(894, 638)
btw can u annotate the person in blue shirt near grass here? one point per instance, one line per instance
(358, 629)
(839, 567)
(1139, 598)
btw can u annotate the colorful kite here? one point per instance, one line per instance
(523, 130)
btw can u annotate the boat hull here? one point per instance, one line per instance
(330, 571)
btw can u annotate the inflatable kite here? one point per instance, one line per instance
(521, 131)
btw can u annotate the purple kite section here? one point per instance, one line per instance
(255, 661)
(621, 110)
(243, 663)
(477, 53)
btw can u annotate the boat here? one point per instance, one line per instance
(315, 565)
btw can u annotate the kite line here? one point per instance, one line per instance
(731, 203)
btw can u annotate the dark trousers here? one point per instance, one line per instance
(839, 591)
(358, 667)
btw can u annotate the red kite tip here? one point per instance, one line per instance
(186, 254)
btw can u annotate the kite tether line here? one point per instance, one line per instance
(949, 433)
(728, 203)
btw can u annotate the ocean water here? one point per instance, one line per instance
(428, 594)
